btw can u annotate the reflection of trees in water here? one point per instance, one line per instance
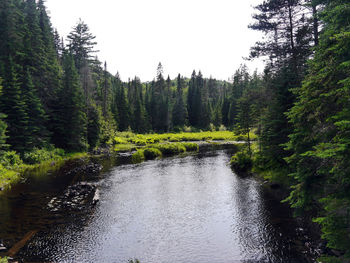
(264, 225)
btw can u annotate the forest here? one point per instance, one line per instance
(55, 95)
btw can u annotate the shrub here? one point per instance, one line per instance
(11, 160)
(119, 140)
(138, 156)
(40, 155)
(152, 153)
(171, 149)
(190, 146)
(7, 176)
(4, 260)
(241, 162)
(140, 142)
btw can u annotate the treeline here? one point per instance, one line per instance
(300, 109)
(60, 95)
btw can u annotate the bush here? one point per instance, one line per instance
(119, 140)
(138, 156)
(152, 153)
(241, 162)
(41, 155)
(11, 160)
(190, 146)
(171, 149)
(4, 260)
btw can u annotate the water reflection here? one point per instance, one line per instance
(191, 209)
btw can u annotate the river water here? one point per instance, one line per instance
(188, 209)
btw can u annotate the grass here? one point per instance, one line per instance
(128, 141)
(39, 162)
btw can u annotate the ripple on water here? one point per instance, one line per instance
(191, 209)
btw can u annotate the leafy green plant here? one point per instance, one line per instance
(152, 153)
(138, 156)
(190, 146)
(11, 160)
(241, 162)
(171, 148)
(41, 155)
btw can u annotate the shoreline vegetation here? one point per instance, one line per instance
(14, 168)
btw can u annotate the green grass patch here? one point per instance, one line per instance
(39, 162)
(152, 153)
(125, 140)
(138, 156)
(190, 146)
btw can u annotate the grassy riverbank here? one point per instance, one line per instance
(127, 141)
(13, 167)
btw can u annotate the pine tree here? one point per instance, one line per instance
(3, 127)
(37, 134)
(320, 141)
(81, 44)
(14, 107)
(71, 120)
(123, 113)
(179, 110)
(93, 126)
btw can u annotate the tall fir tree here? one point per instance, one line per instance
(320, 140)
(37, 133)
(179, 109)
(72, 121)
(13, 105)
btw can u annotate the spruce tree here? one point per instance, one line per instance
(320, 140)
(14, 107)
(179, 110)
(72, 119)
(3, 127)
(37, 134)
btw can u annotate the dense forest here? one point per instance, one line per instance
(55, 93)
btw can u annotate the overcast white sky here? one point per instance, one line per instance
(134, 35)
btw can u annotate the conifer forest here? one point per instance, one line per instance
(58, 98)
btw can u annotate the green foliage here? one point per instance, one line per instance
(152, 153)
(241, 162)
(10, 160)
(190, 146)
(7, 176)
(138, 156)
(15, 109)
(40, 155)
(93, 126)
(170, 148)
(3, 260)
(320, 140)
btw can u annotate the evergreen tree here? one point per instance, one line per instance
(3, 127)
(93, 126)
(14, 107)
(37, 134)
(72, 120)
(81, 44)
(123, 113)
(321, 139)
(179, 110)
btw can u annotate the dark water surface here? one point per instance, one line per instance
(190, 209)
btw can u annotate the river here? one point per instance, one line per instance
(180, 209)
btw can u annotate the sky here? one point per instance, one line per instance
(133, 36)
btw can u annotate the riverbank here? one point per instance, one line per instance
(13, 169)
(188, 200)
(277, 184)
